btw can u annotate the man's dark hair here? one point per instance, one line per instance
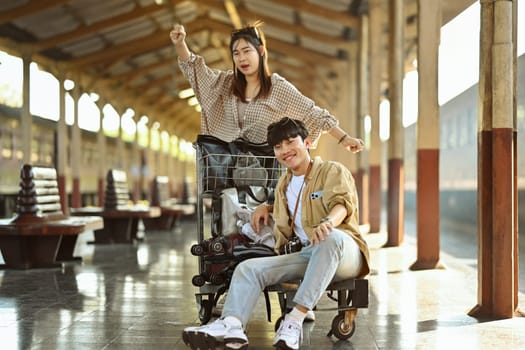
(284, 129)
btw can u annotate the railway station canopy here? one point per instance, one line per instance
(120, 49)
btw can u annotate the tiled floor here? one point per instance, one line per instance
(141, 297)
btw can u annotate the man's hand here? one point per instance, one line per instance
(321, 231)
(261, 213)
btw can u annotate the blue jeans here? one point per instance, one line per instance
(337, 257)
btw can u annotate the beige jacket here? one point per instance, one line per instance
(329, 183)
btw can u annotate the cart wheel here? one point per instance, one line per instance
(278, 323)
(217, 247)
(340, 329)
(217, 279)
(198, 280)
(197, 250)
(205, 311)
(226, 243)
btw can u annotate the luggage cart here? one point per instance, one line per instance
(219, 166)
(217, 252)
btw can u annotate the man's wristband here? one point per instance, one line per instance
(326, 219)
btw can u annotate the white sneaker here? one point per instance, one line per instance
(310, 316)
(210, 336)
(289, 335)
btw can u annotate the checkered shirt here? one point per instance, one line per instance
(220, 117)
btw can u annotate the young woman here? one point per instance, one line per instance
(242, 102)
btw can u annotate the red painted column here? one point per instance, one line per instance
(396, 202)
(101, 148)
(516, 227)
(428, 244)
(497, 182)
(374, 97)
(61, 147)
(362, 183)
(374, 204)
(503, 212)
(396, 175)
(76, 199)
(485, 190)
(517, 311)
(64, 203)
(361, 180)
(428, 126)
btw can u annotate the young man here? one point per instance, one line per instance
(315, 201)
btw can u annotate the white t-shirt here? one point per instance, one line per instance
(294, 190)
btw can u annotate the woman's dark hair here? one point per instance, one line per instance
(254, 36)
(284, 129)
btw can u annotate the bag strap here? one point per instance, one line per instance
(292, 224)
(249, 192)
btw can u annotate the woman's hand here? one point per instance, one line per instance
(177, 34)
(353, 144)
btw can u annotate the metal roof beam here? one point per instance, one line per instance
(346, 19)
(28, 9)
(82, 31)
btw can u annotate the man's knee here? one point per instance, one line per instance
(246, 267)
(335, 239)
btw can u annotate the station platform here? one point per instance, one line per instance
(140, 296)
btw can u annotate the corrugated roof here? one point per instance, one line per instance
(122, 47)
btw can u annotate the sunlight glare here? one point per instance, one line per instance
(459, 54)
(43, 92)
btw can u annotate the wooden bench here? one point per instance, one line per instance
(171, 211)
(40, 234)
(120, 217)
